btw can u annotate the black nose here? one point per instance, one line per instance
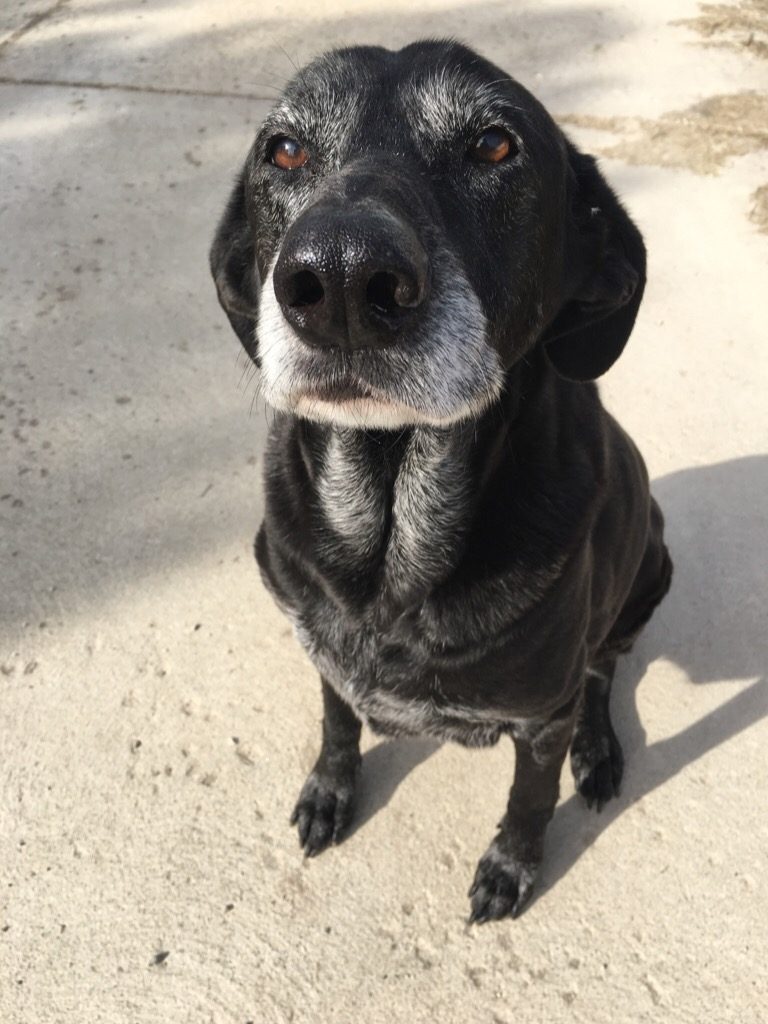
(350, 277)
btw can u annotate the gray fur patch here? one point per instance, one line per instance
(429, 512)
(442, 105)
(350, 494)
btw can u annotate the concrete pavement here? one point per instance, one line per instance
(157, 716)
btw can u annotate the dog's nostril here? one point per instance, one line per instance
(304, 289)
(388, 293)
(380, 292)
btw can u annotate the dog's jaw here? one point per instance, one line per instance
(448, 374)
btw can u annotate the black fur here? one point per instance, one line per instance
(473, 576)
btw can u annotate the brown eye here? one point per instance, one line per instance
(492, 146)
(288, 154)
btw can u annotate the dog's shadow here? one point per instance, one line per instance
(711, 624)
(384, 768)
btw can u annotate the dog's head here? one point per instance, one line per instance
(406, 227)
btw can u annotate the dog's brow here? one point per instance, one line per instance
(321, 114)
(445, 102)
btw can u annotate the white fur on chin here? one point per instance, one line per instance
(455, 374)
(372, 414)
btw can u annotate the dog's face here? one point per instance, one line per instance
(406, 227)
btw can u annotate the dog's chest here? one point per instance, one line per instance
(406, 533)
(373, 594)
(390, 682)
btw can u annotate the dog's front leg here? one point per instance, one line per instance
(506, 872)
(324, 808)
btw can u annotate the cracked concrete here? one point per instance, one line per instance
(157, 716)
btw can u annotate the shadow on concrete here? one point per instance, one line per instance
(384, 767)
(712, 625)
(175, 45)
(114, 200)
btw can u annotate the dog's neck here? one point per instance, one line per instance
(404, 513)
(398, 507)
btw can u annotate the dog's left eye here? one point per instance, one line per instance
(492, 146)
(288, 154)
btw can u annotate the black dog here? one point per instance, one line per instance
(429, 275)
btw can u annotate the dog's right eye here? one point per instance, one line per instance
(287, 154)
(492, 146)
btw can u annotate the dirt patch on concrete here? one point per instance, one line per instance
(759, 212)
(700, 138)
(742, 27)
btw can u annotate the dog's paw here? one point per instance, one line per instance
(323, 811)
(502, 886)
(598, 765)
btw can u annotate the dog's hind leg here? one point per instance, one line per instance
(596, 758)
(651, 583)
(324, 808)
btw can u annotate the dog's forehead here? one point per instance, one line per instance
(434, 89)
(442, 98)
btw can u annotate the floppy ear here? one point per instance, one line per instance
(603, 280)
(233, 265)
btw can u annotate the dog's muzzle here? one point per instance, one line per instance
(351, 276)
(366, 322)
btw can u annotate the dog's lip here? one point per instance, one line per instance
(342, 393)
(350, 399)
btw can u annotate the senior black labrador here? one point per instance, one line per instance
(430, 275)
